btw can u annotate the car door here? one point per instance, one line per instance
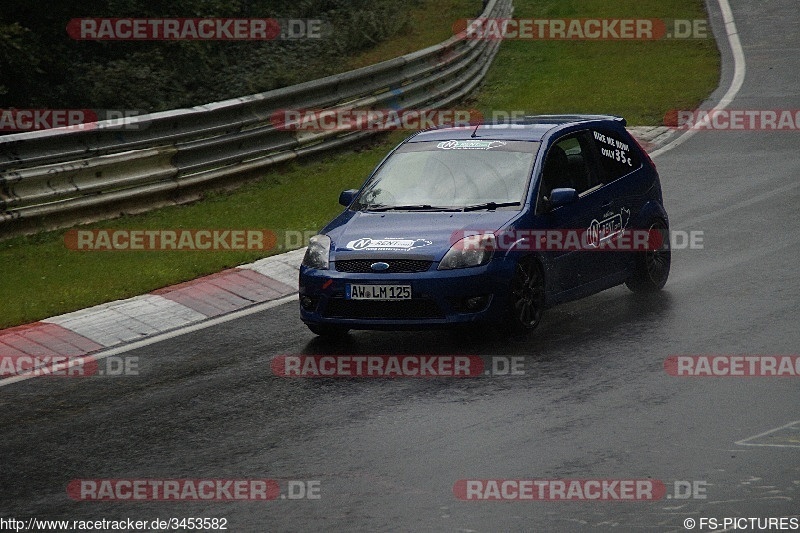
(571, 163)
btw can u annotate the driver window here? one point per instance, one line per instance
(567, 166)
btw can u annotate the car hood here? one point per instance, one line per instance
(408, 233)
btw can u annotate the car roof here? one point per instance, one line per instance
(528, 128)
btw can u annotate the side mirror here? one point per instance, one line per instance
(346, 197)
(559, 197)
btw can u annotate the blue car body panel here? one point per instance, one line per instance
(420, 239)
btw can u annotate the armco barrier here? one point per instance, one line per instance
(58, 172)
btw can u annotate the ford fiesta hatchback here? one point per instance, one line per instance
(489, 223)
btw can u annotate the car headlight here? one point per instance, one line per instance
(317, 253)
(475, 250)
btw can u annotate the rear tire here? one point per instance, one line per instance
(651, 268)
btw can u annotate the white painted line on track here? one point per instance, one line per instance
(155, 339)
(744, 442)
(739, 70)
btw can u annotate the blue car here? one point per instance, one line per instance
(490, 223)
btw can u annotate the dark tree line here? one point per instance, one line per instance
(42, 67)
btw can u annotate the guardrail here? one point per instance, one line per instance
(59, 174)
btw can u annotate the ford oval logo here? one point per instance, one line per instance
(379, 266)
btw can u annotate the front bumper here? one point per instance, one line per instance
(439, 298)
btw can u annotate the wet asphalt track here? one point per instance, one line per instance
(594, 401)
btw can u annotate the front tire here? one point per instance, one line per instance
(651, 268)
(526, 297)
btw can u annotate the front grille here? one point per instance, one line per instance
(396, 266)
(400, 309)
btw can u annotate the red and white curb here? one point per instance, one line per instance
(125, 321)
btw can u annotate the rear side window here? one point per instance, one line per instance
(616, 154)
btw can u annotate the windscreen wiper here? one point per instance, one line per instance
(489, 206)
(415, 207)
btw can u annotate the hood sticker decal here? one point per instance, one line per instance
(387, 244)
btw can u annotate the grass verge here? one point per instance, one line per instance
(638, 80)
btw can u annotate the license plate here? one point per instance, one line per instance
(378, 292)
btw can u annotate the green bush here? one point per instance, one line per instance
(41, 66)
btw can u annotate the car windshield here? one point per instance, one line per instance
(456, 174)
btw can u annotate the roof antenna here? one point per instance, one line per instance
(475, 131)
